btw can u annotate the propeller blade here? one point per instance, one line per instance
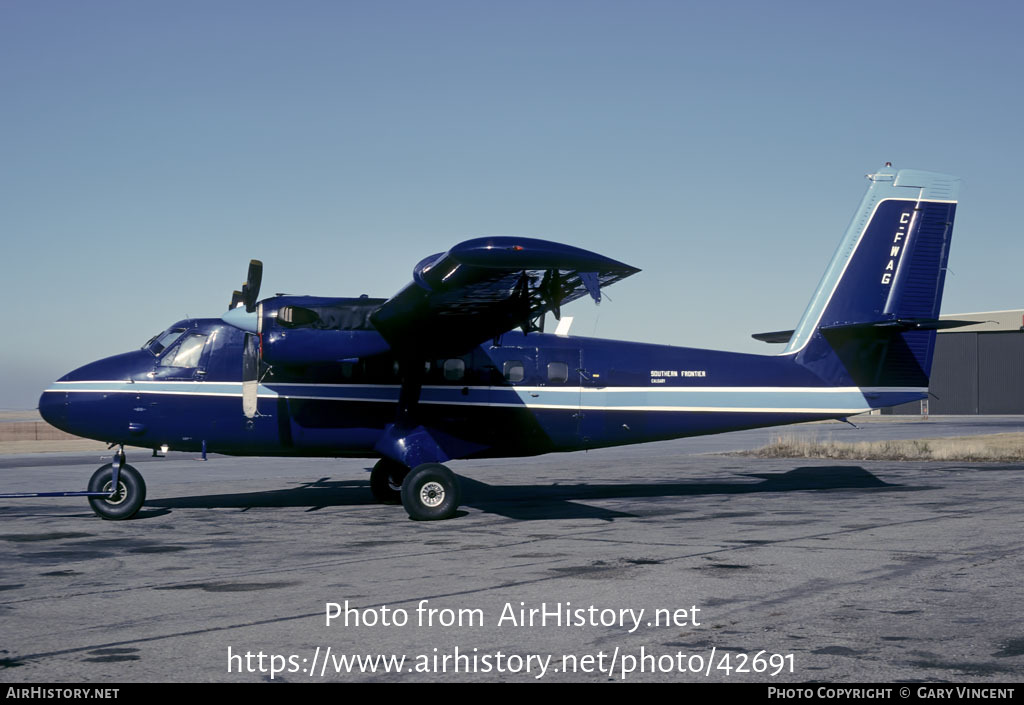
(251, 288)
(242, 311)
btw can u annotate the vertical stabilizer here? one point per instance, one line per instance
(871, 320)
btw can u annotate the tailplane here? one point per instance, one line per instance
(873, 317)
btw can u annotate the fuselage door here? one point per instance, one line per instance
(559, 393)
(593, 399)
(512, 391)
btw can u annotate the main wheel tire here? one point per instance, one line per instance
(126, 501)
(430, 492)
(386, 480)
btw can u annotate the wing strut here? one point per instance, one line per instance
(593, 284)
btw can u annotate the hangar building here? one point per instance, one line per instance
(977, 369)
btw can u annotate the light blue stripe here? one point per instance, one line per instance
(535, 397)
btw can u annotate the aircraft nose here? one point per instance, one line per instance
(54, 409)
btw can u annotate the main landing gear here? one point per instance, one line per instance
(406, 471)
(386, 481)
(117, 490)
(428, 492)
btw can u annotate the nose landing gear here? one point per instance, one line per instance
(117, 490)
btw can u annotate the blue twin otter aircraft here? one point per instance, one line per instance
(456, 365)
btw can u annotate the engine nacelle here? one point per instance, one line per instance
(306, 330)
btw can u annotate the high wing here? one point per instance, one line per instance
(484, 287)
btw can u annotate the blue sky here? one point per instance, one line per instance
(148, 150)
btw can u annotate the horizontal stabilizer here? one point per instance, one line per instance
(778, 336)
(900, 325)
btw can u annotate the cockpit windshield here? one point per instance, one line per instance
(159, 342)
(186, 353)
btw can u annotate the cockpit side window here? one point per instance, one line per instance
(161, 341)
(186, 353)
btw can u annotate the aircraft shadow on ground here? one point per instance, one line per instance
(541, 501)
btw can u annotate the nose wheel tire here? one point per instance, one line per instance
(430, 492)
(125, 500)
(386, 480)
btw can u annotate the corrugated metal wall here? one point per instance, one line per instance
(954, 386)
(975, 373)
(1001, 373)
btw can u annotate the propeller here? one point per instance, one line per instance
(242, 314)
(251, 288)
(243, 303)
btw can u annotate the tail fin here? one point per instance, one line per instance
(872, 320)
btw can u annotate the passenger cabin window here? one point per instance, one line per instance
(186, 353)
(558, 372)
(454, 369)
(514, 371)
(381, 370)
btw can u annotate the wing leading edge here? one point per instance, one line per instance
(482, 288)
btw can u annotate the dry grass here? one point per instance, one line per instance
(25, 432)
(997, 447)
(32, 431)
(66, 446)
(25, 415)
